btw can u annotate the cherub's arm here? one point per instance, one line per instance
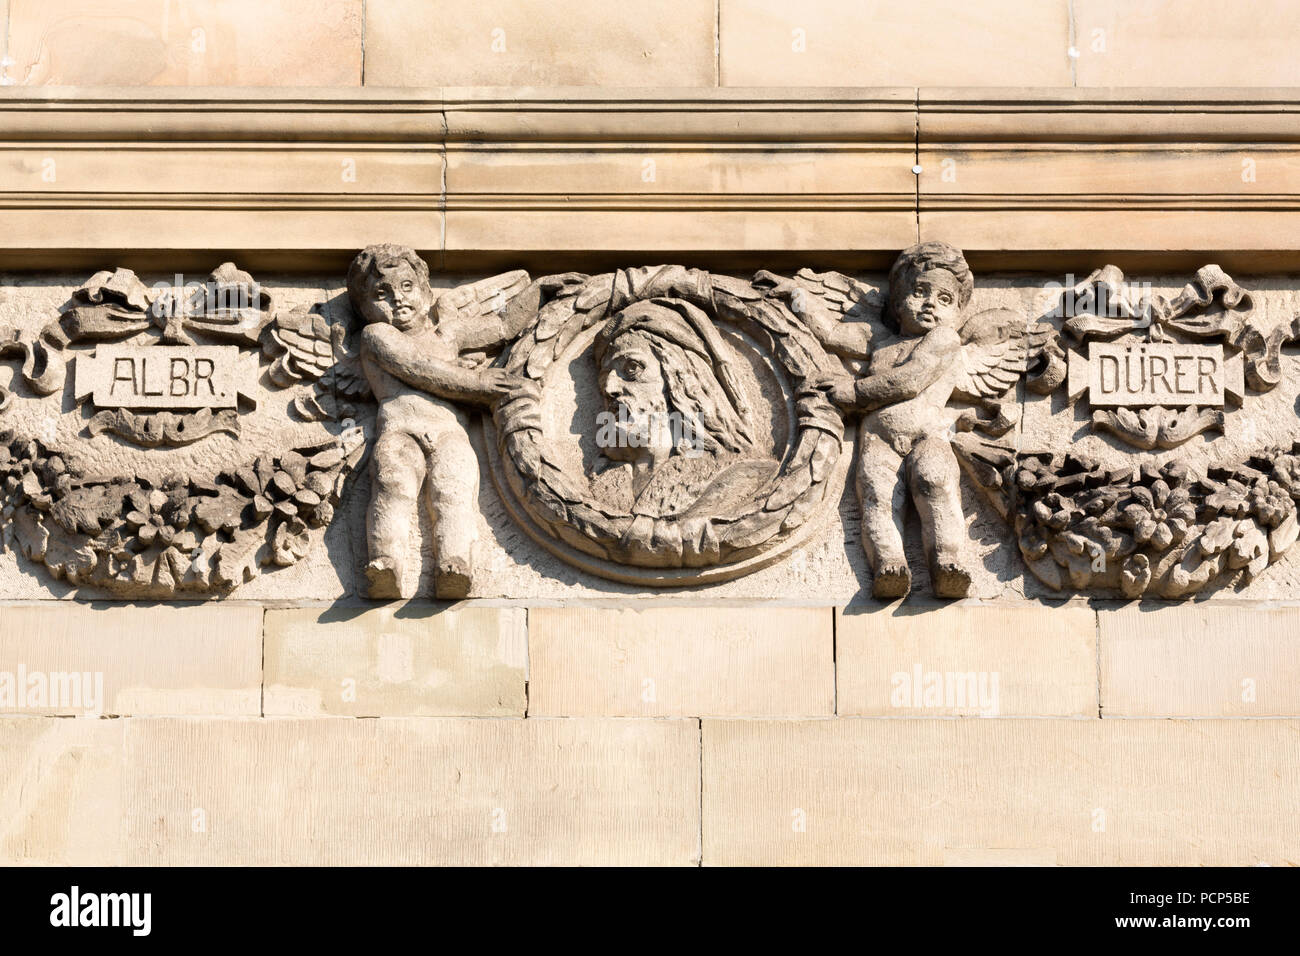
(849, 339)
(396, 354)
(932, 357)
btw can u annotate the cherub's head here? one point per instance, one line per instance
(390, 284)
(929, 286)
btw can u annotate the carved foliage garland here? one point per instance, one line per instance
(1165, 532)
(145, 536)
(175, 535)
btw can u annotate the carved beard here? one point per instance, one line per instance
(641, 428)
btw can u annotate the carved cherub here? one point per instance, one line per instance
(414, 352)
(922, 353)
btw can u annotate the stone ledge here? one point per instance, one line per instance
(412, 791)
(535, 172)
(133, 660)
(1200, 661)
(967, 661)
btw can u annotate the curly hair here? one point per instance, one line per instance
(372, 261)
(924, 257)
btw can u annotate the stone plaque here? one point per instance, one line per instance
(165, 376)
(1156, 373)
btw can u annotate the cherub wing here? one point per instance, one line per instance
(997, 350)
(843, 313)
(489, 296)
(308, 347)
(856, 301)
(994, 354)
(478, 309)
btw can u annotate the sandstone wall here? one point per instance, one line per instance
(700, 43)
(786, 718)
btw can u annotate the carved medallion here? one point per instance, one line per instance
(674, 429)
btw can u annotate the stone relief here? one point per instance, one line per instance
(91, 519)
(1166, 530)
(714, 442)
(921, 352)
(654, 426)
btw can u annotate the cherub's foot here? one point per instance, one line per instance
(950, 581)
(452, 580)
(385, 582)
(891, 581)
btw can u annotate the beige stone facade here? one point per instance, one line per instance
(557, 717)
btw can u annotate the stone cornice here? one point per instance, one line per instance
(484, 176)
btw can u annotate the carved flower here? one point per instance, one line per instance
(1100, 502)
(1230, 498)
(1270, 502)
(156, 515)
(1033, 473)
(1055, 511)
(1032, 543)
(20, 462)
(274, 484)
(1159, 516)
(1286, 468)
(1217, 536)
(1113, 543)
(1249, 549)
(291, 542)
(1135, 575)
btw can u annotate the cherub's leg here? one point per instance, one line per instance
(453, 505)
(935, 479)
(882, 493)
(396, 469)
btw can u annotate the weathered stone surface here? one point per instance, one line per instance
(680, 662)
(845, 43)
(61, 802)
(199, 43)
(83, 660)
(1072, 792)
(966, 661)
(1197, 661)
(1190, 43)
(577, 43)
(1218, 488)
(412, 661)
(408, 791)
(300, 321)
(915, 348)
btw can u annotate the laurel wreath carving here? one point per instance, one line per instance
(562, 503)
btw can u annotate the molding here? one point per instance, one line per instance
(475, 177)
